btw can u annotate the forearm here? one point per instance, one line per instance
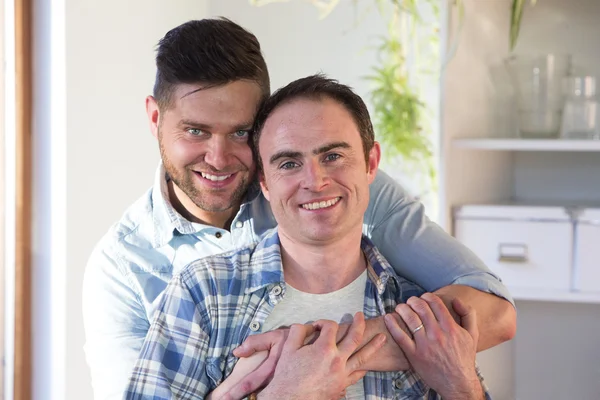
(496, 317)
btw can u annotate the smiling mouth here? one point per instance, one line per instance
(317, 205)
(215, 178)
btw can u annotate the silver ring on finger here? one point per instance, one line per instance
(418, 328)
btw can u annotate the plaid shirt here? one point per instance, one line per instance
(215, 303)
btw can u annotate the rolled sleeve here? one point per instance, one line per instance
(417, 248)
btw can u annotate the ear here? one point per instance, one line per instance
(263, 185)
(153, 113)
(373, 163)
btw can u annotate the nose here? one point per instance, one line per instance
(315, 176)
(218, 153)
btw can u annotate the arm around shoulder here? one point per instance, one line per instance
(422, 252)
(419, 249)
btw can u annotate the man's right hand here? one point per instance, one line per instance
(322, 369)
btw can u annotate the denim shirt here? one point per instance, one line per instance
(132, 264)
(225, 298)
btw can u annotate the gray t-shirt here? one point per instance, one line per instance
(300, 308)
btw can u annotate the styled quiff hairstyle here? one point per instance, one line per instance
(210, 51)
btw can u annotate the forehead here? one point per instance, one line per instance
(235, 99)
(309, 121)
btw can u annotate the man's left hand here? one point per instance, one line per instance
(440, 351)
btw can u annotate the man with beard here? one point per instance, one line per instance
(211, 77)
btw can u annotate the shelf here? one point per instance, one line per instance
(527, 144)
(554, 296)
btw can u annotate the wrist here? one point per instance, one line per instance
(473, 392)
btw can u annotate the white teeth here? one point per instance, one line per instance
(320, 204)
(214, 178)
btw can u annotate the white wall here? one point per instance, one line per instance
(109, 152)
(296, 43)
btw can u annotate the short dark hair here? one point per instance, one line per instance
(212, 51)
(317, 87)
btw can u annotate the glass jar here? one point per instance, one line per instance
(581, 119)
(537, 81)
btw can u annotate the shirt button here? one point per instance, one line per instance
(276, 290)
(218, 235)
(239, 224)
(398, 383)
(254, 326)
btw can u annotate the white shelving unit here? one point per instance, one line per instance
(557, 332)
(528, 144)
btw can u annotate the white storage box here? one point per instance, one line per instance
(529, 247)
(587, 251)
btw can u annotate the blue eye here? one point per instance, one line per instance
(332, 157)
(288, 165)
(241, 135)
(195, 132)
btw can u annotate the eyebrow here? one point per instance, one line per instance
(317, 151)
(190, 122)
(331, 146)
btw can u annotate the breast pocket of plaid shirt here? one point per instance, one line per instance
(409, 386)
(214, 372)
(219, 368)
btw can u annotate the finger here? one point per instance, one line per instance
(411, 319)
(392, 322)
(423, 310)
(255, 380)
(296, 337)
(355, 377)
(261, 342)
(354, 336)
(440, 311)
(468, 318)
(359, 359)
(327, 332)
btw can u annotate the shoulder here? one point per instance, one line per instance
(223, 273)
(125, 233)
(403, 287)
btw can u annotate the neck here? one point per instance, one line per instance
(190, 211)
(322, 267)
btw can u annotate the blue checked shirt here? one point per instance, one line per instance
(212, 306)
(131, 265)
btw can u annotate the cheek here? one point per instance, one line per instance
(182, 152)
(281, 188)
(245, 155)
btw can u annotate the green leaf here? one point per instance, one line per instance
(515, 21)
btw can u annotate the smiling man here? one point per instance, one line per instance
(205, 200)
(318, 154)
